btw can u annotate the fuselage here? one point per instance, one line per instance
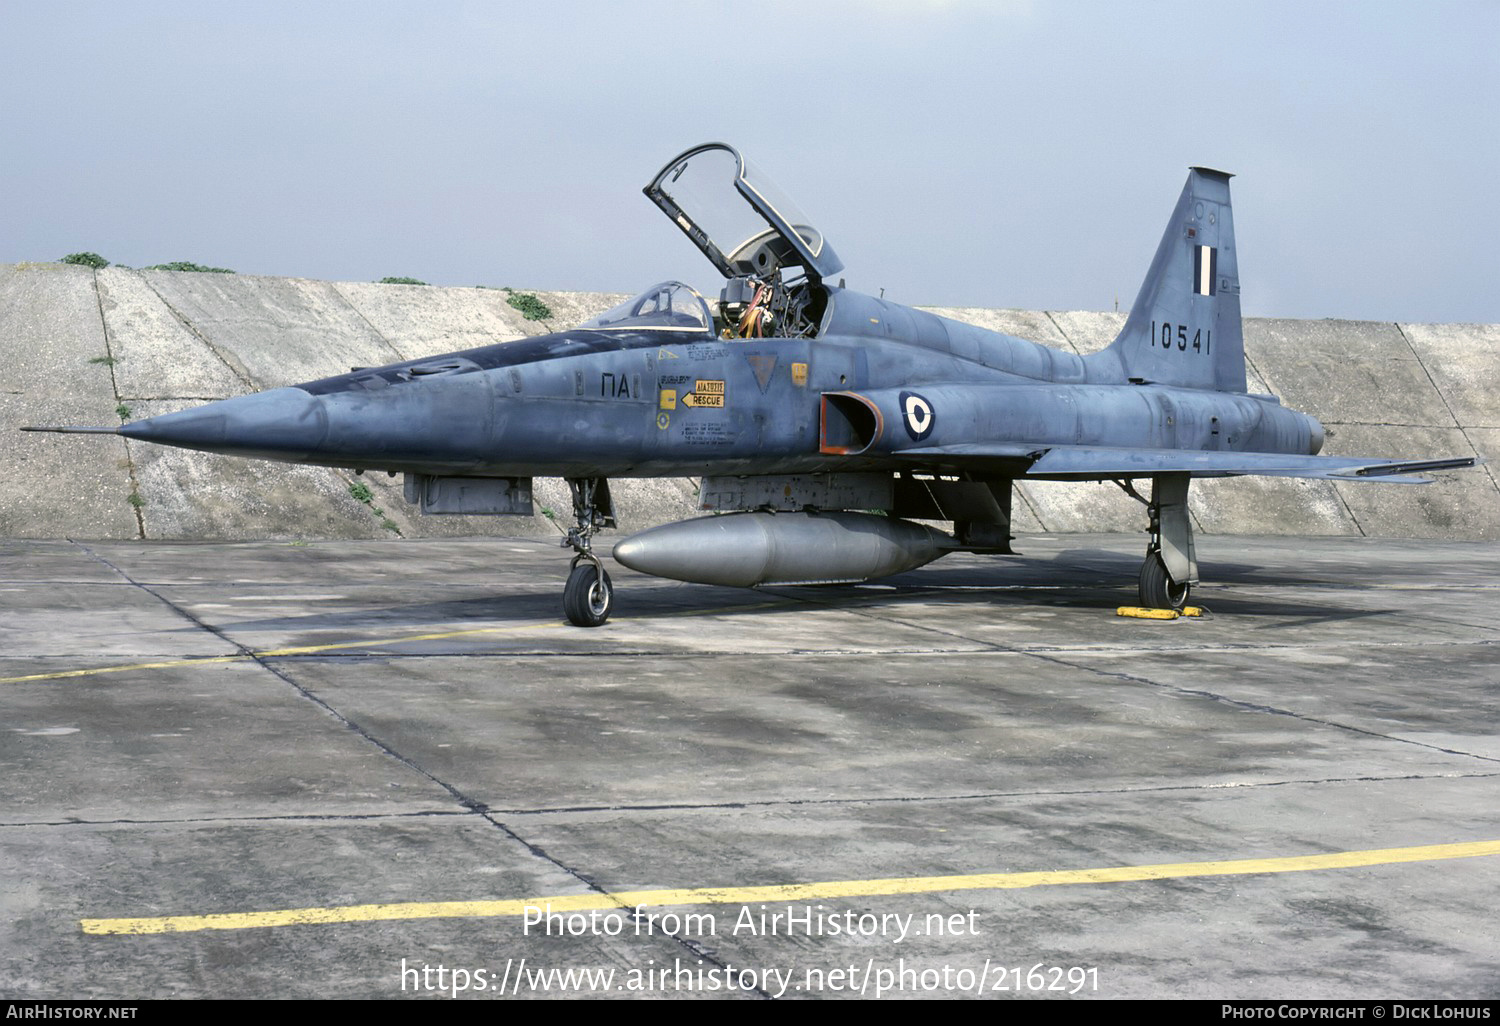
(646, 403)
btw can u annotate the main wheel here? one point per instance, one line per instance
(1157, 588)
(588, 596)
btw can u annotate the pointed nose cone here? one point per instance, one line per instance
(284, 424)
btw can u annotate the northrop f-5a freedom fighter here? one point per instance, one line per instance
(824, 423)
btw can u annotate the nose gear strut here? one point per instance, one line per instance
(588, 597)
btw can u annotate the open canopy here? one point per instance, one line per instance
(737, 216)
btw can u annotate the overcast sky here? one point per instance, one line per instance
(1006, 154)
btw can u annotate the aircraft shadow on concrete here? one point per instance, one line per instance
(1082, 579)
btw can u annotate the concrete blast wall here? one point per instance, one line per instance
(87, 347)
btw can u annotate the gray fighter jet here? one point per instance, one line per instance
(822, 422)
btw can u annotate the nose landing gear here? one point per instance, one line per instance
(588, 597)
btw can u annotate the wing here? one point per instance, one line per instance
(1082, 463)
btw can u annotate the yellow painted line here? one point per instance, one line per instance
(60, 674)
(788, 892)
(275, 652)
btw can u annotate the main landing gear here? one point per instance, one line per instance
(588, 596)
(1171, 566)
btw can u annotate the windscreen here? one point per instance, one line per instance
(669, 306)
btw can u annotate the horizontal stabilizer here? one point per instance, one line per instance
(1417, 466)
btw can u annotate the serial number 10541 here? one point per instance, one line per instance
(1169, 336)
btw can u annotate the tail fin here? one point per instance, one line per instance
(1185, 326)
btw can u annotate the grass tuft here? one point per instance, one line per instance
(188, 265)
(93, 260)
(532, 308)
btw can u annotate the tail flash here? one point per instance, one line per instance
(1184, 328)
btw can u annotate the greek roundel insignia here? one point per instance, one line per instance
(918, 416)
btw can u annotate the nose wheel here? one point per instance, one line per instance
(588, 597)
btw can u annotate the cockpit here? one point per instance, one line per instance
(774, 261)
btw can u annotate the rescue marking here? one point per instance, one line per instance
(783, 892)
(705, 393)
(799, 374)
